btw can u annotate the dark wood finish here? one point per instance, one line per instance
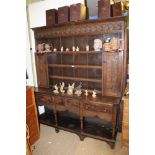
(117, 9)
(77, 12)
(51, 17)
(102, 71)
(125, 122)
(104, 9)
(42, 70)
(32, 116)
(63, 14)
(112, 73)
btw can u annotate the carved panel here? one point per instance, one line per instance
(79, 29)
(112, 73)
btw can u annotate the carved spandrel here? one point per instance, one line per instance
(90, 28)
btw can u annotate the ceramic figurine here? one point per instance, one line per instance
(47, 48)
(40, 48)
(86, 92)
(54, 49)
(67, 49)
(73, 48)
(62, 87)
(87, 47)
(97, 44)
(107, 45)
(56, 89)
(62, 49)
(78, 91)
(70, 89)
(77, 48)
(115, 43)
(94, 94)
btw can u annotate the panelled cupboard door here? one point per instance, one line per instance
(112, 73)
(42, 70)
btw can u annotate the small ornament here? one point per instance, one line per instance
(94, 94)
(77, 48)
(97, 44)
(70, 89)
(86, 92)
(62, 49)
(54, 49)
(73, 48)
(115, 43)
(40, 48)
(67, 49)
(62, 87)
(78, 91)
(87, 47)
(47, 48)
(56, 89)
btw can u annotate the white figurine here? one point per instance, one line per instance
(67, 49)
(86, 92)
(47, 48)
(62, 87)
(77, 48)
(62, 49)
(97, 44)
(78, 91)
(94, 94)
(56, 89)
(70, 89)
(73, 48)
(87, 47)
(54, 49)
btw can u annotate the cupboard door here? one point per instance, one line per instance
(112, 73)
(42, 70)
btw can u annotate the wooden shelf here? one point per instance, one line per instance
(75, 78)
(75, 66)
(76, 52)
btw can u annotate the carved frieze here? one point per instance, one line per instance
(79, 29)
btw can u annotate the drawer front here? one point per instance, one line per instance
(59, 101)
(98, 108)
(45, 98)
(72, 105)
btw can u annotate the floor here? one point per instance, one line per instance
(66, 143)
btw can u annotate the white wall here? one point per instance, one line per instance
(37, 18)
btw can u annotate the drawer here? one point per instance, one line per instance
(59, 101)
(71, 103)
(98, 108)
(45, 98)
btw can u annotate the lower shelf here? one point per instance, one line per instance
(93, 127)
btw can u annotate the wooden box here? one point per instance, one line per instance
(104, 10)
(77, 12)
(117, 9)
(63, 14)
(51, 17)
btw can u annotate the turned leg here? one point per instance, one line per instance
(112, 145)
(82, 137)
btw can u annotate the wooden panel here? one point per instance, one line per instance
(32, 115)
(42, 70)
(77, 12)
(112, 73)
(117, 9)
(63, 14)
(51, 17)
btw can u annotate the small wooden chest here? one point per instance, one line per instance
(77, 12)
(104, 9)
(117, 9)
(51, 17)
(63, 14)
